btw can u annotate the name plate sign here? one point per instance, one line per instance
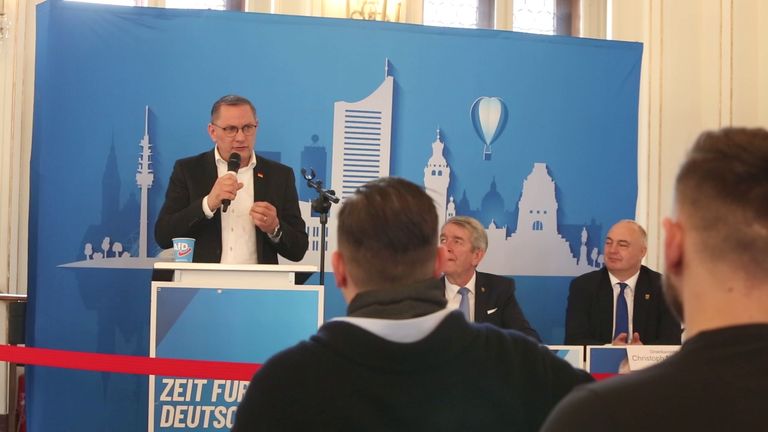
(642, 356)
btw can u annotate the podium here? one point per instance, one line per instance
(222, 312)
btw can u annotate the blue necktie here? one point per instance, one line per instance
(622, 312)
(464, 304)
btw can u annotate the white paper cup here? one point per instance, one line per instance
(183, 249)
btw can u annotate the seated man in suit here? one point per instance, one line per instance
(487, 297)
(263, 219)
(716, 280)
(621, 303)
(401, 360)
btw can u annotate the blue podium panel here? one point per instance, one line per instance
(573, 354)
(607, 359)
(220, 324)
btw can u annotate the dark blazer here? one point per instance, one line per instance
(495, 303)
(182, 213)
(589, 316)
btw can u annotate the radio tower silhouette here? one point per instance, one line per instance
(144, 178)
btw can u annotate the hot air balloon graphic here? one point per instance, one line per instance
(489, 116)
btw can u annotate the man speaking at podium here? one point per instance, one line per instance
(239, 209)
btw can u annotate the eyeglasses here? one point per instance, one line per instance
(231, 131)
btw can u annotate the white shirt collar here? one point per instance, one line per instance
(451, 289)
(631, 282)
(220, 160)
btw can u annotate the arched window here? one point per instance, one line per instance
(204, 4)
(529, 16)
(538, 226)
(458, 13)
(183, 4)
(534, 16)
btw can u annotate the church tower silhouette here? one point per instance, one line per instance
(437, 175)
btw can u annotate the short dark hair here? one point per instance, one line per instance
(230, 100)
(387, 233)
(722, 188)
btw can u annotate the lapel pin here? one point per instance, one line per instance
(647, 296)
(482, 289)
(260, 175)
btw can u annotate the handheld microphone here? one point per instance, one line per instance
(232, 166)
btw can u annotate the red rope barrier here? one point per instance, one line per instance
(141, 365)
(602, 376)
(128, 364)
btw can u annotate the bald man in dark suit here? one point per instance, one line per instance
(591, 317)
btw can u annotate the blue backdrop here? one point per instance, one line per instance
(569, 105)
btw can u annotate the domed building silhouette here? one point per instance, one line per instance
(492, 206)
(536, 248)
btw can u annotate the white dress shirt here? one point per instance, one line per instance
(629, 294)
(238, 234)
(454, 298)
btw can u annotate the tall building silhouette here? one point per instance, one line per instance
(362, 141)
(536, 246)
(362, 134)
(538, 205)
(113, 243)
(437, 175)
(110, 187)
(144, 179)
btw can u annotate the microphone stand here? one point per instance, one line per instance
(322, 205)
